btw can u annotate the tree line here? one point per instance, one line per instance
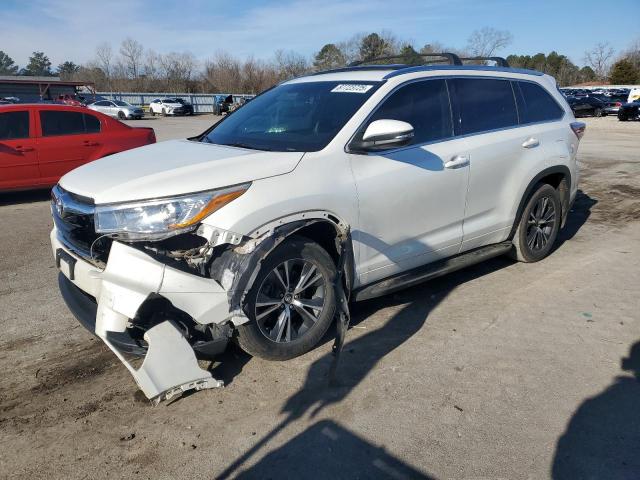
(133, 68)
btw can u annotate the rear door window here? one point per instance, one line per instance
(535, 104)
(14, 125)
(56, 123)
(425, 105)
(483, 104)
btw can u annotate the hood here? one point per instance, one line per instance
(172, 104)
(172, 168)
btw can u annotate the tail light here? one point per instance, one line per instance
(618, 104)
(578, 128)
(152, 136)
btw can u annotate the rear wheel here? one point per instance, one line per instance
(121, 115)
(539, 225)
(597, 112)
(291, 303)
(152, 112)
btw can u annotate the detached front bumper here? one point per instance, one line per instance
(111, 301)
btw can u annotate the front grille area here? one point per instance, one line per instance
(73, 217)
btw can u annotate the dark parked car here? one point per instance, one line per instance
(629, 111)
(187, 108)
(222, 103)
(587, 106)
(612, 102)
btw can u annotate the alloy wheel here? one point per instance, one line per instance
(290, 300)
(541, 223)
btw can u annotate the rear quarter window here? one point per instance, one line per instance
(535, 104)
(14, 125)
(483, 104)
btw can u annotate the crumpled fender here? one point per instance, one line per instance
(236, 268)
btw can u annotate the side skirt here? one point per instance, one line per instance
(430, 271)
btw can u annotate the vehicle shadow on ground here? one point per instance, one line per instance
(602, 439)
(578, 216)
(331, 451)
(28, 196)
(360, 357)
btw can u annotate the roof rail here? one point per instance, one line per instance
(500, 62)
(452, 58)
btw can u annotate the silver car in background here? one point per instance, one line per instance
(117, 108)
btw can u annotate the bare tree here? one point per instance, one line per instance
(351, 48)
(433, 47)
(633, 53)
(178, 69)
(104, 58)
(487, 41)
(599, 58)
(222, 73)
(131, 52)
(290, 64)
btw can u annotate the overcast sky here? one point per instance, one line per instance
(71, 29)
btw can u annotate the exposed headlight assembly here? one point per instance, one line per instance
(162, 218)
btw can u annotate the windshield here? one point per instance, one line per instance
(171, 100)
(300, 117)
(120, 103)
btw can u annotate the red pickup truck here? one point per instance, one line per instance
(41, 142)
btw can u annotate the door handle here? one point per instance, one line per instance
(24, 149)
(90, 144)
(458, 161)
(531, 143)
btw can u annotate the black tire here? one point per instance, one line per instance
(597, 112)
(164, 112)
(121, 115)
(531, 228)
(253, 336)
(153, 114)
(623, 118)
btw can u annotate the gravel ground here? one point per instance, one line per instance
(503, 370)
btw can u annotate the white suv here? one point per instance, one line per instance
(361, 180)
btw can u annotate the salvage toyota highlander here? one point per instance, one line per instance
(361, 180)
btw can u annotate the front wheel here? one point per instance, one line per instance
(121, 115)
(597, 112)
(291, 303)
(539, 225)
(164, 112)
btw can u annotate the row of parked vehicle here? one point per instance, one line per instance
(122, 110)
(603, 102)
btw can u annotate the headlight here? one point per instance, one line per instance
(162, 218)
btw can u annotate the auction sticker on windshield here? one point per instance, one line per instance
(351, 88)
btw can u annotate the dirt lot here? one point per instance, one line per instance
(504, 370)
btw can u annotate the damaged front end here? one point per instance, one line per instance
(172, 301)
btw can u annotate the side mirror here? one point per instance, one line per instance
(384, 135)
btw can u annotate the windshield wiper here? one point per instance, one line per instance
(245, 145)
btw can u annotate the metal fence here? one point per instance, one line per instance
(202, 103)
